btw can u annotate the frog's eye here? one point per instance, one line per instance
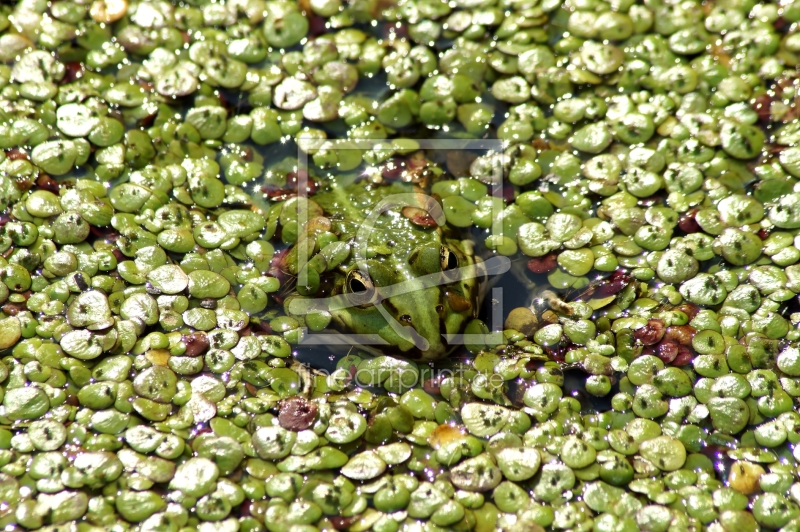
(449, 262)
(359, 287)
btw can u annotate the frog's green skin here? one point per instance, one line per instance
(398, 251)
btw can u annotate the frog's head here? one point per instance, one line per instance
(411, 303)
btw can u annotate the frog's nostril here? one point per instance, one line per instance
(405, 318)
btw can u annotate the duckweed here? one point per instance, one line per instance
(155, 248)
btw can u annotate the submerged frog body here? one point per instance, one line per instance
(410, 281)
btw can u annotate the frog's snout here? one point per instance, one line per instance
(435, 351)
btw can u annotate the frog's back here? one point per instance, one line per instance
(377, 212)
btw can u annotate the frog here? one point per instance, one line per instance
(411, 281)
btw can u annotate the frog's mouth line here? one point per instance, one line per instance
(302, 306)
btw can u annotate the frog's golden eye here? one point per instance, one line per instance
(360, 288)
(449, 261)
